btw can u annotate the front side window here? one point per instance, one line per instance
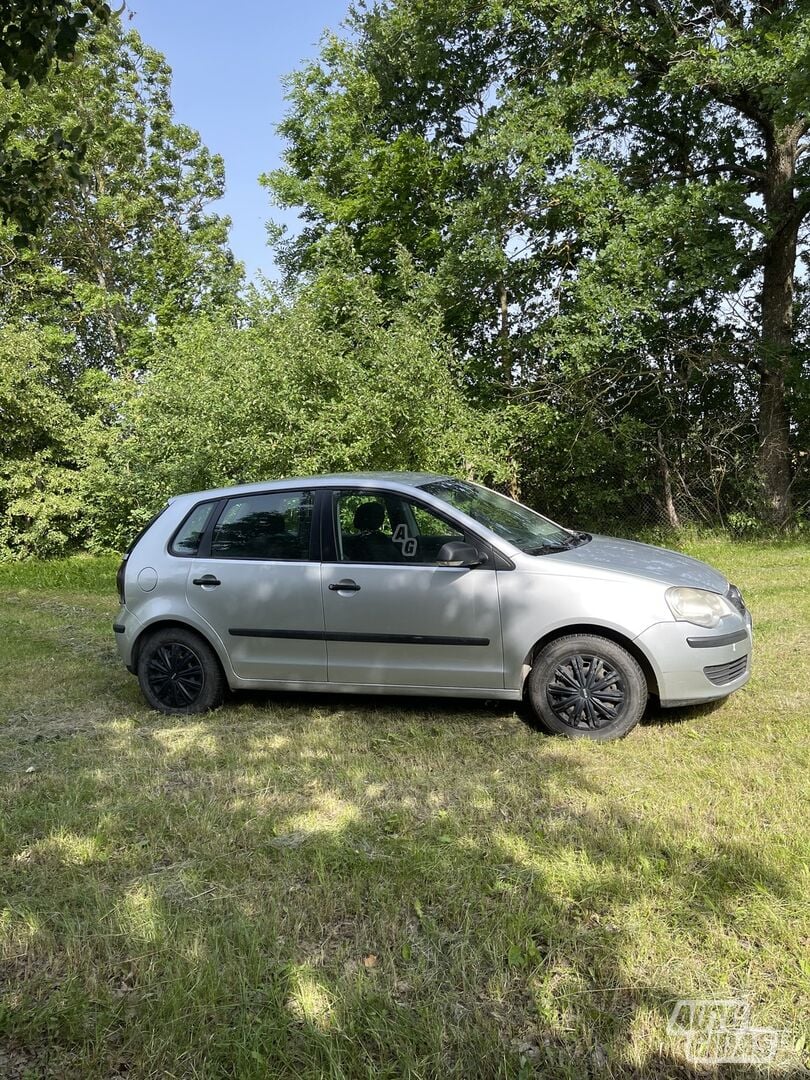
(274, 525)
(506, 518)
(383, 527)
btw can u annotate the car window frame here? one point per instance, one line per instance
(219, 505)
(495, 559)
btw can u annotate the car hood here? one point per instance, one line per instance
(644, 560)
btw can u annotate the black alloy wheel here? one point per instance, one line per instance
(176, 675)
(179, 672)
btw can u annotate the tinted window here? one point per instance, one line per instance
(275, 525)
(188, 536)
(379, 527)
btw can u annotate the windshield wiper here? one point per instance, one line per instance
(574, 540)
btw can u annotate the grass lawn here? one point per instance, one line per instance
(370, 887)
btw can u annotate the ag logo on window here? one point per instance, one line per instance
(407, 543)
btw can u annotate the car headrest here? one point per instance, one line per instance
(369, 516)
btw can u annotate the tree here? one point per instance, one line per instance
(114, 268)
(124, 255)
(735, 75)
(33, 36)
(588, 183)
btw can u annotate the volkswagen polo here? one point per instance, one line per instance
(415, 583)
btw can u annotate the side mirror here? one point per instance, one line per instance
(458, 553)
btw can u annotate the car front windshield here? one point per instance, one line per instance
(508, 519)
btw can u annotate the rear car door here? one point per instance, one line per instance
(258, 584)
(393, 617)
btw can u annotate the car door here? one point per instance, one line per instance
(258, 584)
(392, 616)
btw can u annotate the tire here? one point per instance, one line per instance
(587, 687)
(179, 673)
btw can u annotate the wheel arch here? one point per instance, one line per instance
(166, 624)
(638, 654)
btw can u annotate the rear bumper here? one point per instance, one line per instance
(693, 665)
(125, 628)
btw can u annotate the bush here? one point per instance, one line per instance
(41, 511)
(295, 392)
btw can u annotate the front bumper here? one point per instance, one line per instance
(694, 665)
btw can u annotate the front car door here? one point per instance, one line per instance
(258, 584)
(393, 617)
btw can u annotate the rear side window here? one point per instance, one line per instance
(188, 536)
(275, 525)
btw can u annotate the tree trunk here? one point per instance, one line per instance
(777, 323)
(667, 501)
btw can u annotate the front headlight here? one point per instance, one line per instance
(698, 606)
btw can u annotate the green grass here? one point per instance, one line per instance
(360, 887)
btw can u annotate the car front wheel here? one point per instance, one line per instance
(179, 673)
(586, 686)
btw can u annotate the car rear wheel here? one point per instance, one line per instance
(179, 673)
(586, 686)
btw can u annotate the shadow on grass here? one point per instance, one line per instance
(308, 892)
(656, 715)
(437, 707)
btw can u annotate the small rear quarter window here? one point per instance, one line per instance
(187, 538)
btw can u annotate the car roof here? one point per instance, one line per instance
(345, 479)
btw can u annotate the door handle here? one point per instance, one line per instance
(347, 585)
(206, 579)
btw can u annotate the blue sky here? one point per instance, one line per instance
(228, 60)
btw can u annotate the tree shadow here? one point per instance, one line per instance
(308, 892)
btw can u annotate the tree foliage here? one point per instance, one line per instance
(41, 416)
(114, 266)
(123, 255)
(152, 371)
(332, 381)
(35, 35)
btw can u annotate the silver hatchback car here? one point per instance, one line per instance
(413, 583)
